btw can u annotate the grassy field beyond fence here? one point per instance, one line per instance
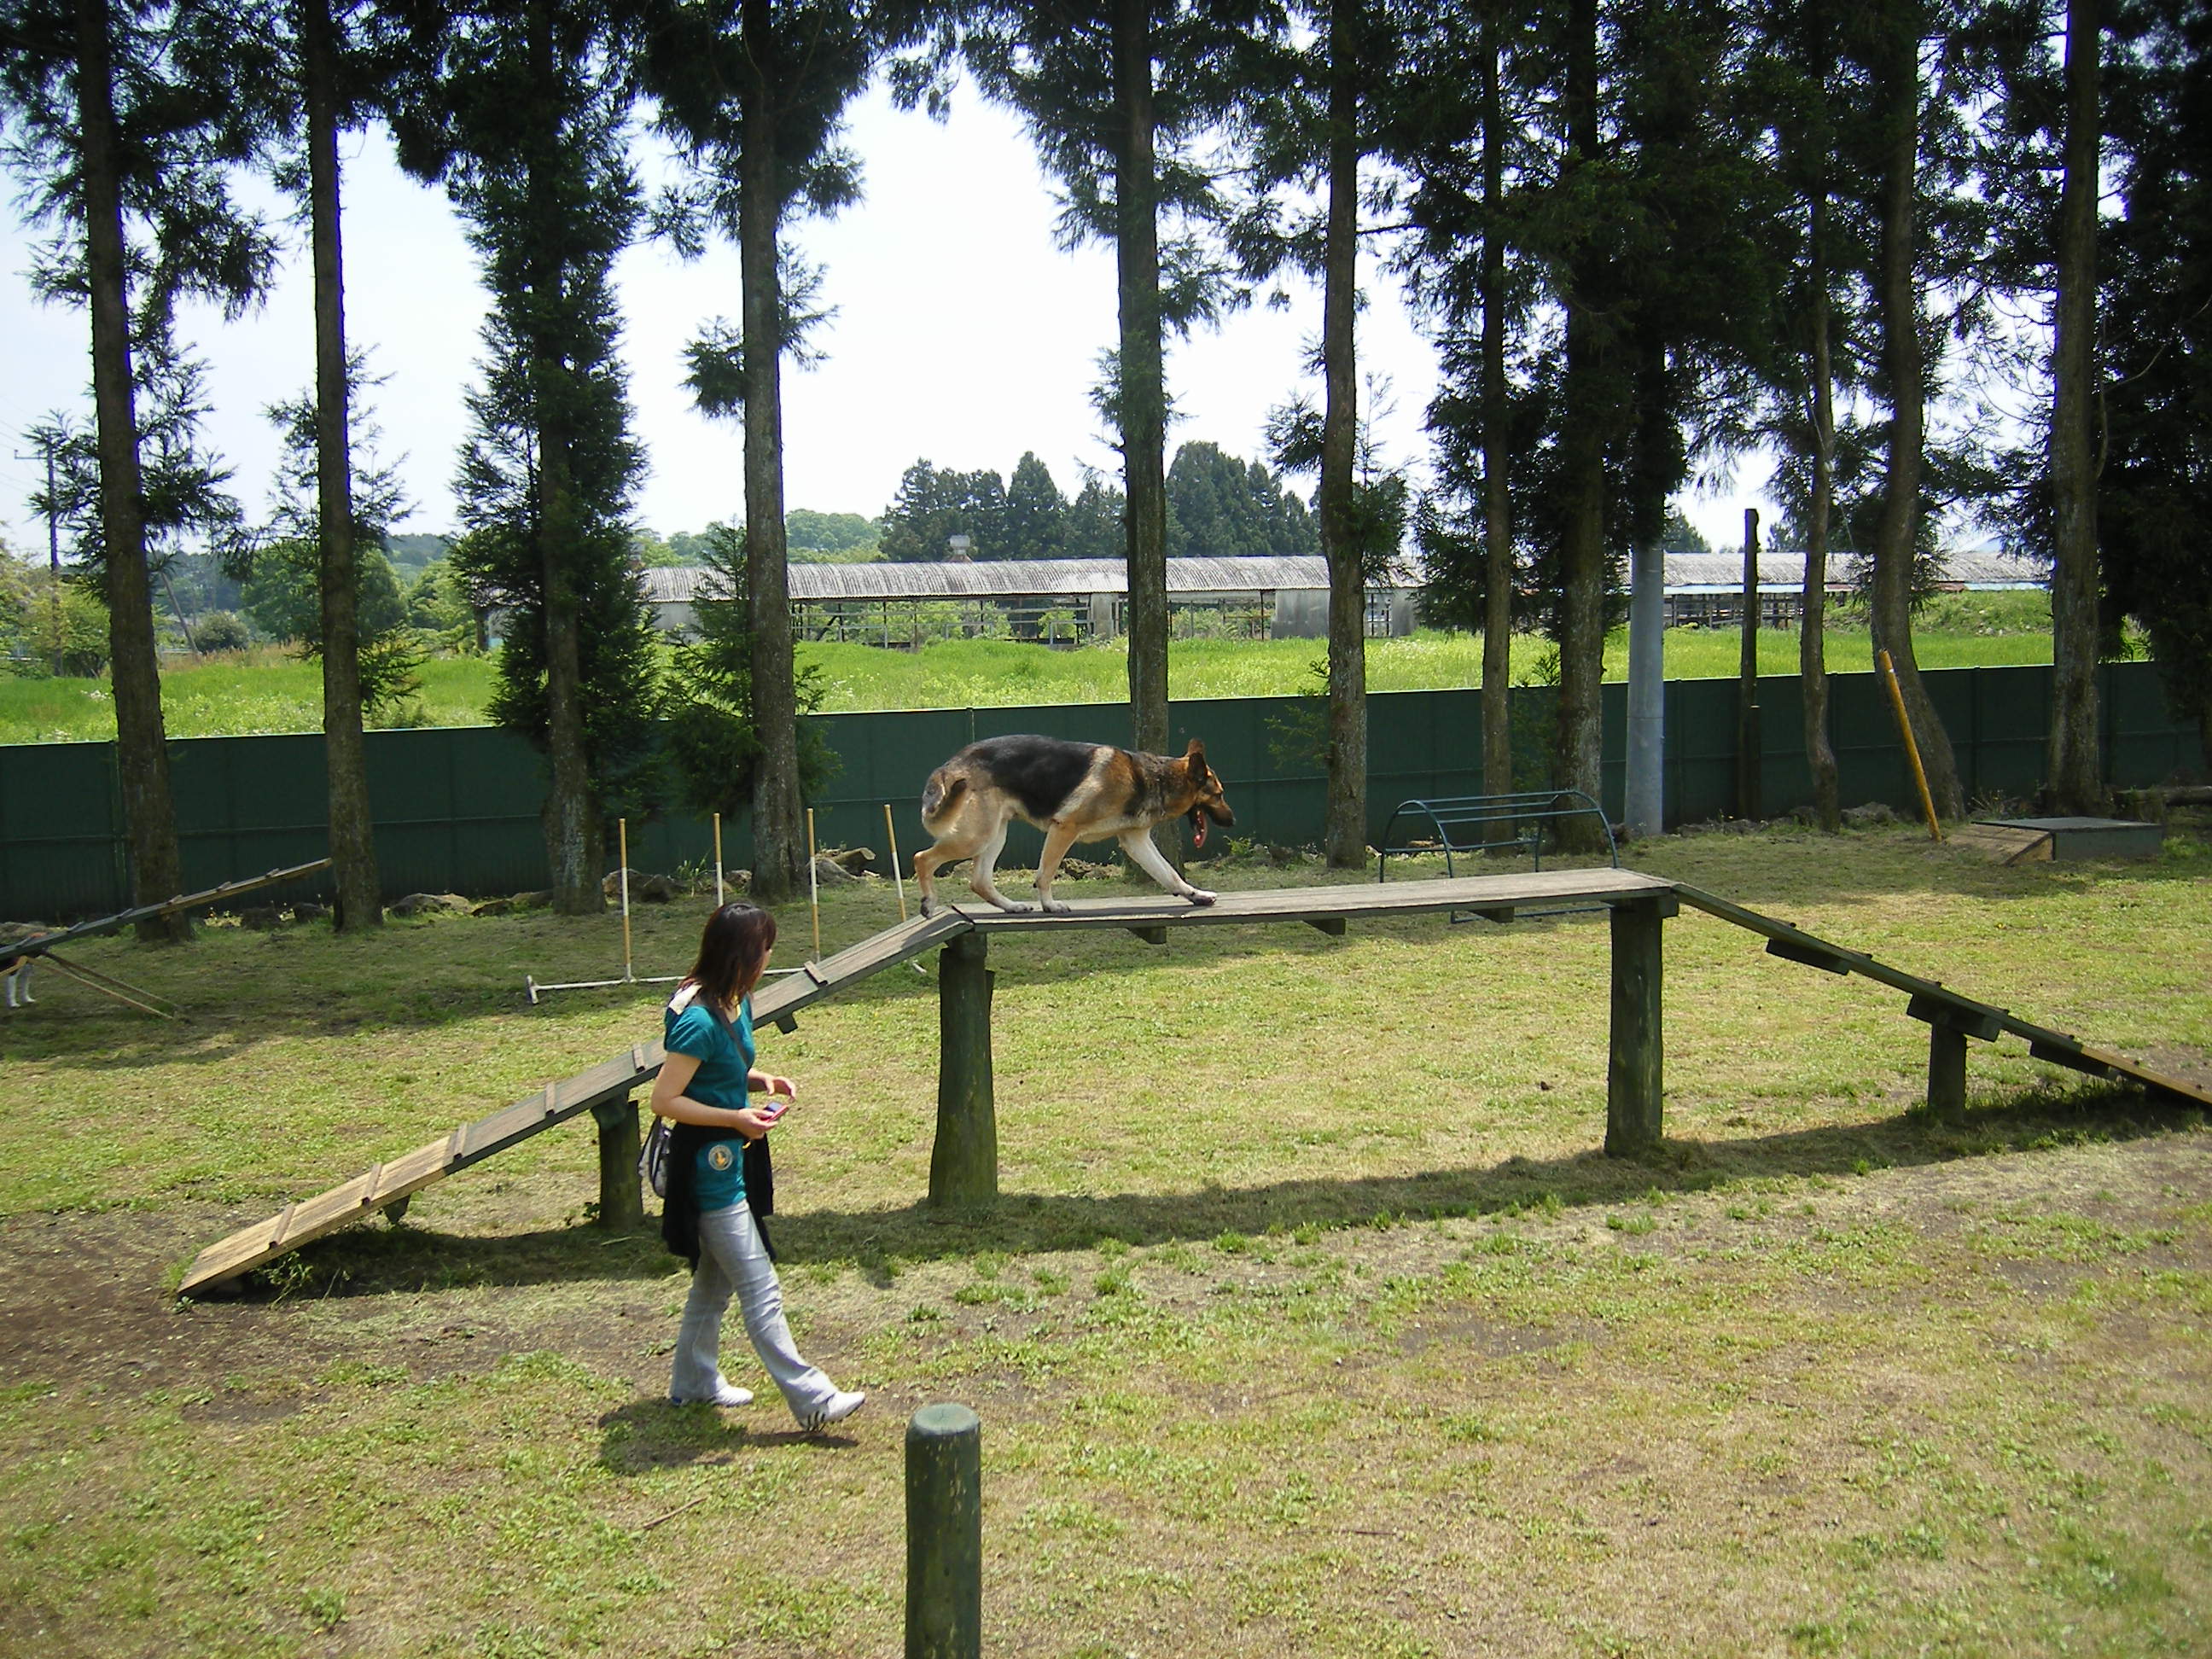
(266, 690)
(1311, 1321)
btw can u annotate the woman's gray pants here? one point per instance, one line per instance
(732, 1258)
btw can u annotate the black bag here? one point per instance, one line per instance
(653, 1158)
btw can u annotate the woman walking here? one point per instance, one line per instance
(704, 1090)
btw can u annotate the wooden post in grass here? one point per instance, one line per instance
(943, 1534)
(622, 1206)
(963, 1166)
(1949, 1025)
(1634, 1073)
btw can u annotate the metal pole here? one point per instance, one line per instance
(898, 875)
(1911, 748)
(1748, 795)
(943, 1534)
(621, 834)
(1646, 794)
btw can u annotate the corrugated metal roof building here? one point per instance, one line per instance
(1057, 600)
(1068, 601)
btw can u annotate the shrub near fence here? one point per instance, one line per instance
(458, 807)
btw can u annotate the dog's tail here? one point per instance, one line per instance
(940, 791)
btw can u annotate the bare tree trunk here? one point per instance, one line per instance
(573, 839)
(1142, 392)
(779, 813)
(1497, 526)
(1903, 365)
(1812, 642)
(1346, 822)
(1582, 573)
(2076, 772)
(141, 753)
(353, 844)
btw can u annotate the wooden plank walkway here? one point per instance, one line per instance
(1951, 1016)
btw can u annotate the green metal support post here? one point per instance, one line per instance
(1635, 1070)
(622, 1206)
(963, 1166)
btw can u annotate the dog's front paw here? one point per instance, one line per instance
(1198, 896)
(929, 907)
(1012, 909)
(1054, 907)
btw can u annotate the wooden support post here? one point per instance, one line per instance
(943, 1534)
(622, 1206)
(1633, 1117)
(1947, 1073)
(963, 1166)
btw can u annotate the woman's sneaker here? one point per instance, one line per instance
(725, 1393)
(839, 1406)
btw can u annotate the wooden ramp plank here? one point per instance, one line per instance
(2054, 1048)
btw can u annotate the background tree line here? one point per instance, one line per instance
(1650, 235)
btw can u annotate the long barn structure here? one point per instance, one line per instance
(1077, 601)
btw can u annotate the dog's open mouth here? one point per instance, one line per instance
(1198, 826)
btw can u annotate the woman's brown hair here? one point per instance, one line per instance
(732, 952)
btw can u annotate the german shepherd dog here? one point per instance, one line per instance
(1072, 791)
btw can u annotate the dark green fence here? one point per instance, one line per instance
(458, 807)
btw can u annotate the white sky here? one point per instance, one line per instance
(962, 335)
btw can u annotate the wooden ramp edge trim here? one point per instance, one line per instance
(2054, 1048)
(471, 1142)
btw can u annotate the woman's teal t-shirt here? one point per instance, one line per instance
(719, 1178)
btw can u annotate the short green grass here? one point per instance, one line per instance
(1311, 1320)
(267, 690)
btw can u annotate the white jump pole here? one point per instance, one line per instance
(813, 885)
(897, 875)
(622, 841)
(719, 900)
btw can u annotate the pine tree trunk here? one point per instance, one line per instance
(1582, 553)
(1497, 526)
(1903, 368)
(2076, 772)
(573, 836)
(141, 752)
(1345, 831)
(1812, 641)
(1142, 392)
(353, 845)
(778, 814)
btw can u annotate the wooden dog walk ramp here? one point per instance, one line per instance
(1952, 1018)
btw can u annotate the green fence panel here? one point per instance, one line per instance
(457, 808)
(61, 826)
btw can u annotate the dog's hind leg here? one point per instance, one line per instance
(1139, 846)
(1057, 840)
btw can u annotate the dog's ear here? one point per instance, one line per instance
(1195, 757)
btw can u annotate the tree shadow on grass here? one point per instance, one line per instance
(409, 1259)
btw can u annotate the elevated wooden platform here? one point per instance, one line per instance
(964, 1168)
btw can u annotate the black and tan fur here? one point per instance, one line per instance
(1073, 791)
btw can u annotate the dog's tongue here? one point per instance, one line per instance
(1198, 826)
